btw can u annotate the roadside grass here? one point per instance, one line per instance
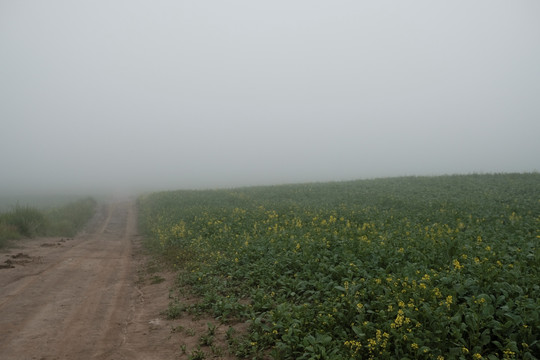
(418, 267)
(27, 222)
(8, 233)
(69, 219)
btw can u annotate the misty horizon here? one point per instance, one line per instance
(109, 96)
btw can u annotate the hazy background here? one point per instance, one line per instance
(142, 95)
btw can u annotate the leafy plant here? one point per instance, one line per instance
(197, 355)
(415, 267)
(174, 310)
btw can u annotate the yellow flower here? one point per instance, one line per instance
(480, 301)
(353, 344)
(414, 346)
(477, 356)
(448, 302)
(399, 319)
(508, 354)
(457, 265)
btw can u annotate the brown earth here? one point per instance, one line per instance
(96, 296)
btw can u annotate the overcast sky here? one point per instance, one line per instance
(197, 94)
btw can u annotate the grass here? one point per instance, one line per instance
(67, 220)
(26, 221)
(416, 267)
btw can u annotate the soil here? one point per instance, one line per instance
(96, 296)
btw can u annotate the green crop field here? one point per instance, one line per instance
(406, 268)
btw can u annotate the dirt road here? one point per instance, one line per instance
(83, 298)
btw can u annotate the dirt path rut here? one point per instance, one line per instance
(78, 298)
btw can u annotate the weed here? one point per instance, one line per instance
(26, 221)
(156, 279)
(206, 340)
(216, 350)
(197, 354)
(177, 329)
(230, 333)
(211, 329)
(174, 310)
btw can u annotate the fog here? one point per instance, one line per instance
(149, 95)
